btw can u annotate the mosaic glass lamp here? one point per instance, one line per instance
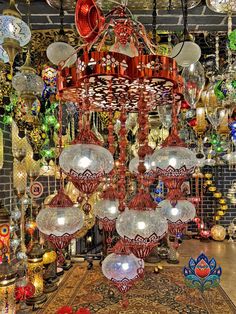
(3, 55)
(14, 33)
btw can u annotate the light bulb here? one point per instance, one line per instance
(125, 266)
(61, 221)
(112, 209)
(84, 162)
(172, 162)
(141, 225)
(174, 211)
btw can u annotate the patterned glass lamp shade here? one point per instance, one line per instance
(3, 55)
(7, 288)
(222, 6)
(181, 212)
(174, 158)
(14, 33)
(186, 53)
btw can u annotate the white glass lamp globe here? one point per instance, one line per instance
(79, 158)
(117, 267)
(61, 51)
(135, 224)
(58, 221)
(3, 55)
(106, 209)
(186, 53)
(181, 212)
(175, 157)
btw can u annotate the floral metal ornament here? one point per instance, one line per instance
(202, 273)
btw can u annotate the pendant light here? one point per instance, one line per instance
(60, 51)
(14, 32)
(186, 52)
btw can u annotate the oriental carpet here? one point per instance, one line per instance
(162, 293)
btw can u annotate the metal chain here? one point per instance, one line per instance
(154, 21)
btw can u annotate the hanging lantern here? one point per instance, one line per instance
(60, 221)
(19, 177)
(14, 32)
(201, 119)
(1, 149)
(86, 162)
(7, 288)
(32, 166)
(194, 82)
(122, 268)
(35, 274)
(28, 85)
(146, 225)
(4, 233)
(178, 214)
(149, 176)
(186, 53)
(218, 233)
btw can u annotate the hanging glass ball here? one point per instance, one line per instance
(218, 233)
(60, 220)
(78, 158)
(119, 267)
(134, 224)
(134, 163)
(61, 51)
(174, 157)
(194, 82)
(25, 83)
(180, 211)
(12, 27)
(106, 209)
(186, 53)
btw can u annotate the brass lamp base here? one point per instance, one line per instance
(37, 300)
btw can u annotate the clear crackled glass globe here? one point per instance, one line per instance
(28, 83)
(106, 209)
(59, 220)
(182, 211)
(175, 157)
(81, 157)
(133, 164)
(120, 266)
(133, 223)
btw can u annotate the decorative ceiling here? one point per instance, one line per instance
(200, 17)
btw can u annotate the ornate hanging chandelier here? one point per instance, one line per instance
(108, 80)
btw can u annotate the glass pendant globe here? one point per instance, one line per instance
(3, 55)
(25, 83)
(133, 224)
(79, 158)
(121, 266)
(106, 209)
(59, 220)
(186, 53)
(61, 51)
(181, 212)
(134, 163)
(175, 157)
(12, 27)
(221, 6)
(194, 82)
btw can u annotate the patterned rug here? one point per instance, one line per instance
(163, 293)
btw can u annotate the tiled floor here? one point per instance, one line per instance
(223, 252)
